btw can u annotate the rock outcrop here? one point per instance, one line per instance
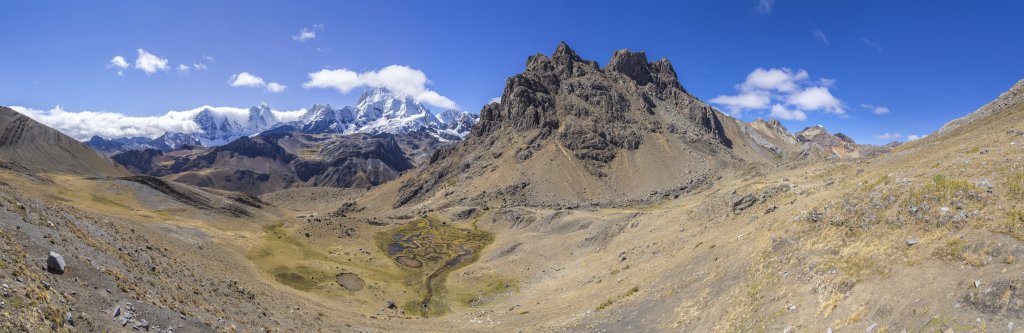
(839, 145)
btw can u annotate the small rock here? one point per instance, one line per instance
(55, 263)
(791, 307)
(912, 242)
(117, 312)
(392, 306)
(45, 284)
(871, 328)
(977, 283)
(69, 319)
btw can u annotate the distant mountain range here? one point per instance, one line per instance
(379, 110)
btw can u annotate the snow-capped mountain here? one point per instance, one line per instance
(219, 128)
(379, 110)
(321, 118)
(166, 142)
(382, 110)
(457, 122)
(172, 141)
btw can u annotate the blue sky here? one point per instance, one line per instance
(926, 62)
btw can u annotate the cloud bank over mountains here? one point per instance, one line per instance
(83, 125)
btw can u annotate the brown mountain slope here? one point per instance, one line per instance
(568, 132)
(30, 146)
(274, 161)
(1010, 98)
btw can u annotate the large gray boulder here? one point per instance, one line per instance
(55, 263)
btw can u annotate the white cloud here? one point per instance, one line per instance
(871, 44)
(308, 33)
(183, 69)
(200, 66)
(816, 98)
(150, 63)
(782, 113)
(401, 79)
(244, 79)
(778, 79)
(820, 35)
(764, 6)
(275, 87)
(286, 116)
(878, 110)
(83, 125)
(891, 136)
(119, 63)
(494, 100)
(913, 137)
(744, 101)
(786, 94)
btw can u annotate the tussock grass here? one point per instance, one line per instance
(1015, 185)
(1013, 225)
(941, 190)
(610, 301)
(954, 249)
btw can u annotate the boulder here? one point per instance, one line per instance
(55, 263)
(744, 202)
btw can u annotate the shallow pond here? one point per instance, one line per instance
(428, 250)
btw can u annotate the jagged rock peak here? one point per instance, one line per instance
(563, 50)
(564, 61)
(770, 123)
(632, 64)
(635, 66)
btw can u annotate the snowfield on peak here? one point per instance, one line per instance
(378, 110)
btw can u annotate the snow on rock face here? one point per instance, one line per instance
(218, 128)
(321, 118)
(379, 110)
